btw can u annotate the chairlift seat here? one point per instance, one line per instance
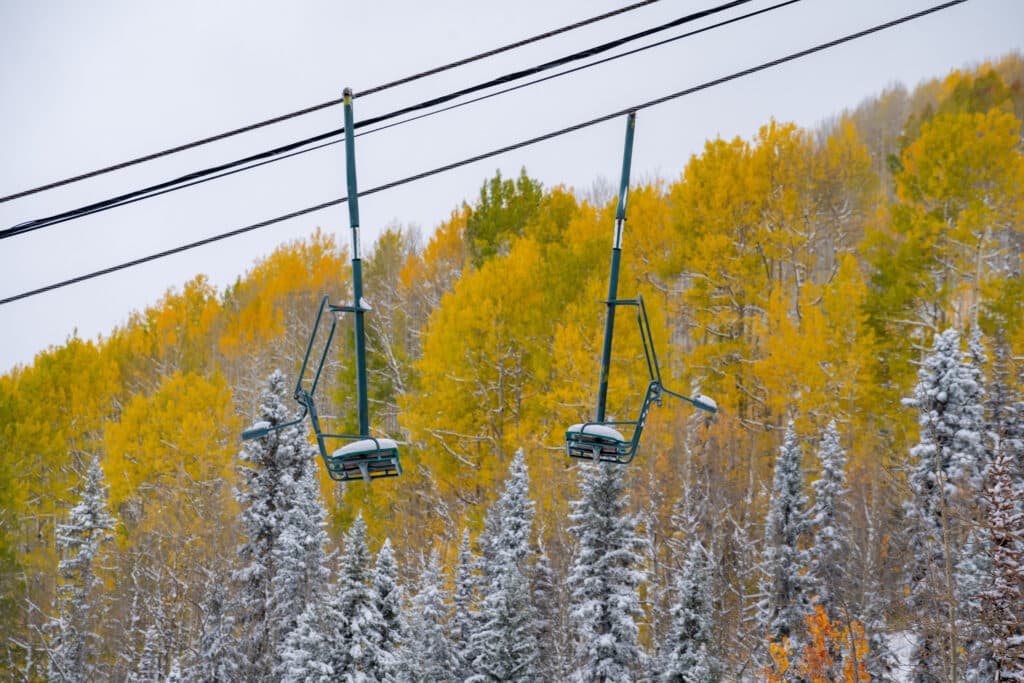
(597, 441)
(366, 459)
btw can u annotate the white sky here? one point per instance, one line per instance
(88, 84)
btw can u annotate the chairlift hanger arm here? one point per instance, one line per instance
(261, 431)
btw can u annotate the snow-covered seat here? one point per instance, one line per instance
(597, 441)
(366, 458)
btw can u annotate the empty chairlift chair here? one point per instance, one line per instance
(603, 440)
(364, 456)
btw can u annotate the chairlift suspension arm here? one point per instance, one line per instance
(366, 457)
(613, 279)
(357, 267)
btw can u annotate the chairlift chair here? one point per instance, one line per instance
(602, 440)
(364, 456)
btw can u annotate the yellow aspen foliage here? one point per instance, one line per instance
(282, 291)
(783, 163)
(715, 214)
(835, 651)
(847, 191)
(485, 359)
(791, 365)
(649, 239)
(171, 451)
(428, 275)
(950, 241)
(54, 412)
(178, 333)
(781, 655)
(963, 183)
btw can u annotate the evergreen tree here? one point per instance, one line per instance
(428, 656)
(305, 653)
(505, 642)
(784, 587)
(338, 638)
(216, 657)
(688, 654)
(509, 522)
(300, 570)
(354, 624)
(149, 668)
(1002, 601)
(604, 579)
(283, 520)
(547, 601)
(175, 675)
(947, 461)
(70, 634)
(464, 615)
(388, 596)
(830, 524)
(973, 576)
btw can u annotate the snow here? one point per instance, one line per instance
(364, 445)
(901, 644)
(596, 430)
(705, 402)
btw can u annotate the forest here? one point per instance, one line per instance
(849, 295)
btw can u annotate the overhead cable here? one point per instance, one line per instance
(582, 67)
(325, 105)
(502, 150)
(190, 179)
(504, 48)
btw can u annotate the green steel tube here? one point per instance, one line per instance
(357, 267)
(613, 279)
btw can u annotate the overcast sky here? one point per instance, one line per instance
(88, 84)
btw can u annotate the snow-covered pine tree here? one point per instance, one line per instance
(338, 637)
(655, 597)
(353, 625)
(604, 579)
(973, 576)
(388, 598)
(830, 526)
(464, 614)
(1002, 600)
(505, 640)
(783, 587)
(546, 599)
(300, 569)
(1005, 412)
(71, 634)
(428, 657)
(283, 518)
(305, 654)
(688, 653)
(509, 522)
(216, 655)
(946, 462)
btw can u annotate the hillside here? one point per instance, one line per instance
(805, 279)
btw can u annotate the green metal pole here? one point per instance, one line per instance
(357, 267)
(613, 280)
